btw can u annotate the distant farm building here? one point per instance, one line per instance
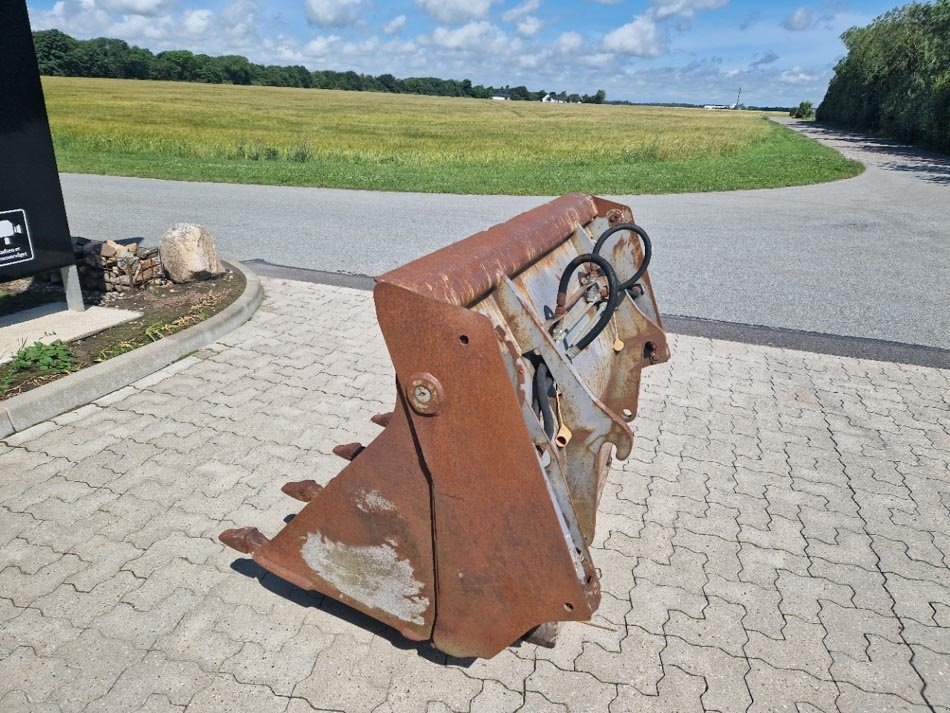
(552, 99)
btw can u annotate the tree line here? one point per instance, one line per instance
(64, 56)
(895, 79)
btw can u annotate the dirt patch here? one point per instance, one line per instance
(166, 309)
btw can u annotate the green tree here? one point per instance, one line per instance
(598, 98)
(895, 79)
(55, 52)
(236, 69)
(178, 65)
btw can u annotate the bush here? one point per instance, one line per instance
(802, 111)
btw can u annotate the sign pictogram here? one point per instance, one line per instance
(15, 242)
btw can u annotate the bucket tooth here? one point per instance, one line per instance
(244, 539)
(349, 451)
(382, 419)
(302, 490)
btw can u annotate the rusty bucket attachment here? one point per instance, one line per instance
(518, 354)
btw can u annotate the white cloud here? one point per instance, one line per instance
(568, 43)
(320, 46)
(151, 8)
(529, 26)
(598, 60)
(197, 22)
(481, 36)
(797, 76)
(640, 38)
(522, 10)
(646, 35)
(799, 20)
(395, 25)
(454, 12)
(663, 9)
(807, 18)
(334, 13)
(142, 27)
(530, 61)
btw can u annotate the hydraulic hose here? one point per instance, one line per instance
(613, 295)
(542, 386)
(647, 250)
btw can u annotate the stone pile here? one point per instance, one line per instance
(116, 267)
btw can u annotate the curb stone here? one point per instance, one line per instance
(85, 386)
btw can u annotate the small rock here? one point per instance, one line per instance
(108, 249)
(188, 253)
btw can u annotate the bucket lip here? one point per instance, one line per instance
(465, 272)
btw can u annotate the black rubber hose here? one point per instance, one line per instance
(613, 294)
(647, 250)
(542, 386)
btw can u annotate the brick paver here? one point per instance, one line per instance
(778, 541)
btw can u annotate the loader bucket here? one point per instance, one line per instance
(467, 520)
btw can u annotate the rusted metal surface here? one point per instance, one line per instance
(463, 273)
(467, 520)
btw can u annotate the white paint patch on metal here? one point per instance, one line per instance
(372, 575)
(372, 501)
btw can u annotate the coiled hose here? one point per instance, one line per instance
(613, 295)
(647, 250)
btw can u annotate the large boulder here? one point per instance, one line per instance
(188, 253)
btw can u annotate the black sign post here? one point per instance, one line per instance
(34, 234)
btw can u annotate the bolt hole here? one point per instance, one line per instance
(464, 339)
(568, 606)
(649, 349)
(561, 441)
(627, 414)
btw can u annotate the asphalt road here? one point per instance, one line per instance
(867, 257)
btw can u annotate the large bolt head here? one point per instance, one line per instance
(425, 394)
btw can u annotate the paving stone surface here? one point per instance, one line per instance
(778, 541)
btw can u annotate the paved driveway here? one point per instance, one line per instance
(867, 257)
(777, 542)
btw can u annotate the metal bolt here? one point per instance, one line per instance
(422, 394)
(425, 394)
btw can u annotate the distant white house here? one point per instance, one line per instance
(551, 99)
(500, 98)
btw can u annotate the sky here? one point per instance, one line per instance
(694, 51)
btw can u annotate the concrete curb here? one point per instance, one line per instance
(85, 386)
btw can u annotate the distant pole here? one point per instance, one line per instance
(738, 97)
